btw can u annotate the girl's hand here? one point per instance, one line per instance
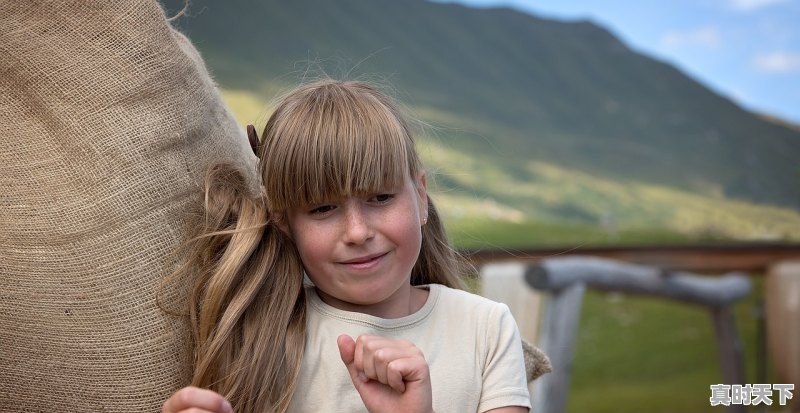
(389, 375)
(196, 400)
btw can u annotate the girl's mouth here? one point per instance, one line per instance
(364, 263)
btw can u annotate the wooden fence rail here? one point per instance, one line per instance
(708, 259)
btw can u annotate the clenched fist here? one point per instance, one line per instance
(389, 375)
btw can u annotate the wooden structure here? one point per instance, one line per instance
(566, 279)
(706, 259)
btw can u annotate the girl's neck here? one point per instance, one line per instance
(405, 302)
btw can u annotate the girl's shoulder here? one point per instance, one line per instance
(466, 302)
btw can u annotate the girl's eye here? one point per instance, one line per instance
(382, 198)
(322, 209)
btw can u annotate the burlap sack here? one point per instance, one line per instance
(108, 119)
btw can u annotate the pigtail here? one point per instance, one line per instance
(438, 262)
(247, 308)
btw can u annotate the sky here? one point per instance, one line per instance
(746, 50)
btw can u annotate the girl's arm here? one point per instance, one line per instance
(195, 400)
(509, 409)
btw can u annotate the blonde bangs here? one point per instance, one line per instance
(327, 142)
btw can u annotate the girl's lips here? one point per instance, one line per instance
(364, 263)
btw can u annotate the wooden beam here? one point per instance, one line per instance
(611, 275)
(708, 259)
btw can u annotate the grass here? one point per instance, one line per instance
(485, 233)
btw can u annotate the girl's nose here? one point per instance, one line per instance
(357, 228)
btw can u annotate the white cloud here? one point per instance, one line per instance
(778, 62)
(705, 37)
(750, 5)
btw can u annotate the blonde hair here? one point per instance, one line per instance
(325, 140)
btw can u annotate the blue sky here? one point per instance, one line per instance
(747, 50)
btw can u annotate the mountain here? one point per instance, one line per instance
(520, 95)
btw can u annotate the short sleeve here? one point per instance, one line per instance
(504, 379)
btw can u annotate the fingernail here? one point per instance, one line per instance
(226, 406)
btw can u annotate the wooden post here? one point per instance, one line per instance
(729, 346)
(559, 329)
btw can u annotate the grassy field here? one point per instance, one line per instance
(490, 234)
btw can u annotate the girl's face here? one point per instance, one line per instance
(359, 251)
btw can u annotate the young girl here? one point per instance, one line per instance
(383, 326)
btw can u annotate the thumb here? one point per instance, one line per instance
(347, 351)
(347, 348)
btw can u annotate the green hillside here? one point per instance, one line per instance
(529, 119)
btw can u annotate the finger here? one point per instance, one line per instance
(347, 350)
(386, 366)
(368, 346)
(373, 353)
(193, 397)
(407, 371)
(382, 357)
(358, 353)
(394, 377)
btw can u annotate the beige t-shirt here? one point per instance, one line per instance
(472, 346)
